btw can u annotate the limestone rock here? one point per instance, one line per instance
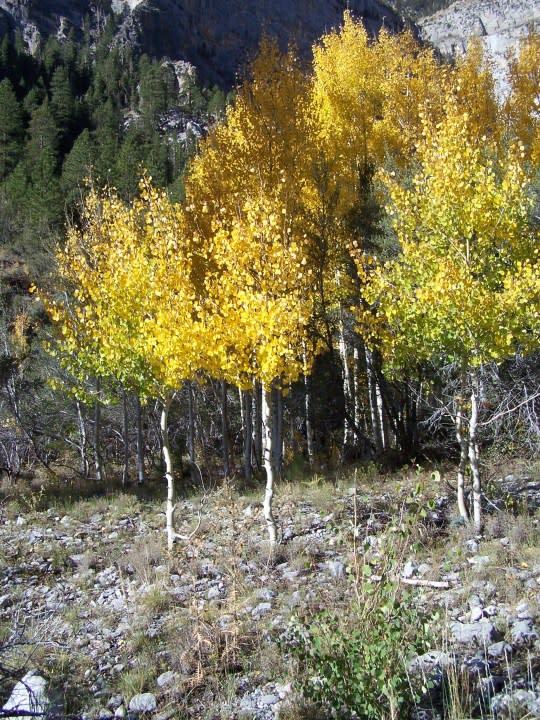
(482, 633)
(28, 695)
(498, 23)
(143, 703)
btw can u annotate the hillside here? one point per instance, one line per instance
(499, 23)
(90, 600)
(216, 37)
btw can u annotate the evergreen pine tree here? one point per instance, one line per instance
(11, 129)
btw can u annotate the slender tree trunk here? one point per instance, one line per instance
(277, 435)
(474, 456)
(140, 441)
(125, 468)
(309, 428)
(268, 464)
(463, 440)
(356, 387)
(167, 459)
(191, 433)
(98, 463)
(82, 440)
(373, 402)
(381, 416)
(225, 429)
(246, 405)
(257, 423)
(348, 432)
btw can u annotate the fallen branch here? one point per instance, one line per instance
(426, 583)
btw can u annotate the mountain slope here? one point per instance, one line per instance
(499, 23)
(215, 36)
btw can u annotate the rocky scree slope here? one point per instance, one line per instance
(90, 599)
(215, 36)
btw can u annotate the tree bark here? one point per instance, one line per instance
(225, 429)
(462, 438)
(140, 442)
(257, 423)
(376, 428)
(98, 462)
(246, 405)
(169, 477)
(125, 429)
(191, 433)
(348, 432)
(474, 456)
(277, 433)
(82, 440)
(309, 428)
(268, 464)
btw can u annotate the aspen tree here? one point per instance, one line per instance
(465, 287)
(245, 201)
(129, 309)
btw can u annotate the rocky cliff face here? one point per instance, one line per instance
(499, 24)
(216, 36)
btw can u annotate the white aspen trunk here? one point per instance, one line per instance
(348, 431)
(268, 464)
(125, 468)
(277, 430)
(246, 404)
(462, 438)
(356, 387)
(98, 464)
(373, 406)
(309, 428)
(381, 416)
(242, 403)
(170, 507)
(83, 440)
(474, 457)
(140, 442)
(225, 429)
(257, 423)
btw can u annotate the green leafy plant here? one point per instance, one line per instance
(357, 663)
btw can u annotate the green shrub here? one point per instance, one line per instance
(355, 663)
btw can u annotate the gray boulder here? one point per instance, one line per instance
(28, 695)
(143, 703)
(476, 633)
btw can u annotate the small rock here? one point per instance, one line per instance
(482, 633)
(261, 609)
(524, 611)
(213, 593)
(478, 561)
(521, 703)
(166, 678)
(476, 614)
(500, 649)
(472, 546)
(20, 520)
(115, 701)
(409, 569)
(523, 633)
(143, 703)
(336, 568)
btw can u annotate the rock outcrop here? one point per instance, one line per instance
(215, 36)
(499, 23)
